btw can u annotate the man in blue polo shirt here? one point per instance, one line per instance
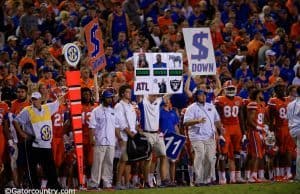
(168, 123)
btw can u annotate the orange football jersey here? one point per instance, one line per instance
(229, 109)
(58, 122)
(279, 108)
(3, 111)
(259, 115)
(86, 114)
(17, 106)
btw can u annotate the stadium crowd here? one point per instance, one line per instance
(257, 51)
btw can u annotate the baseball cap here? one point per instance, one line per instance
(167, 9)
(107, 94)
(149, 19)
(261, 67)
(200, 92)
(36, 95)
(12, 37)
(270, 53)
(218, 53)
(47, 69)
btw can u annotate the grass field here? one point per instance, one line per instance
(267, 188)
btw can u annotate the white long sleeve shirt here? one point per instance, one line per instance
(293, 116)
(126, 118)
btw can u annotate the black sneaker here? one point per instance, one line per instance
(146, 185)
(164, 183)
(200, 184)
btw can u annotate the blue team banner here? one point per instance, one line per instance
(174, 144)
(200, 51)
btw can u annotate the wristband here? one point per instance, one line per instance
(10, 142)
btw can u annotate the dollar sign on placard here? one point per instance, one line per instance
(95, 41)
(198, 42)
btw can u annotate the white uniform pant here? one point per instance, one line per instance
(298, 159)
(204, 160)
(102, 167)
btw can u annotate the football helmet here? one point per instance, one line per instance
(229, 88)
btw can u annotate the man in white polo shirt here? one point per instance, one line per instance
(102, 128)
(293, 116)
(150, 113)
(202, 119)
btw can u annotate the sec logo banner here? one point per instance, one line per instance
(72, 54)
(174, 144)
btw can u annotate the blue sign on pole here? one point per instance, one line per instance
(174, 144)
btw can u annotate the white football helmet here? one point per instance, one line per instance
(229, 88)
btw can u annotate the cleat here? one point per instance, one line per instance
(288, 177)
(147, 186)
(222, 182)
(264, 180)
(278, 179)
(254, 180)
(240, 180)
(120, 187)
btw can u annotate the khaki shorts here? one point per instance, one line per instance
(157, 143)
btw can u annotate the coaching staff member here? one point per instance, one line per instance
(293, 116)
(202, 118)
(38, 128)
(102, 128)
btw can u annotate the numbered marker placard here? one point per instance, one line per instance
(174, 144)
(200, 51)
(72, 54)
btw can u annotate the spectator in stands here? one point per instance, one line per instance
(286, 72)
(86, 81)
(135, 14)
(118, 21)
(296, 80)
(165, 20)
(120, 44)
(261, 52)
(243, 72)
(28, 21)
